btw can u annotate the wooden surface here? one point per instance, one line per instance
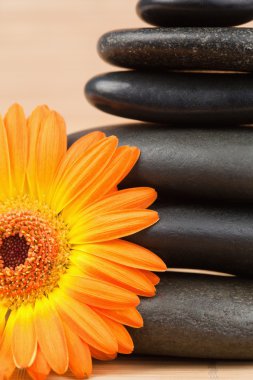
(48, 52)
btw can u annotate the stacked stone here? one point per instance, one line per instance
(192, 79)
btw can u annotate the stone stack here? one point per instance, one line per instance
(191, 79)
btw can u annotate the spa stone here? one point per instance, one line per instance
(189, 98)
(195, 12)
(214, 49)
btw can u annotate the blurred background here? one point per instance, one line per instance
(48, 52)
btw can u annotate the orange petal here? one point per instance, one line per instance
(5, 170)
(40, 368)
(152, 277)
(129, 278)
(129, 316)
(125, 342)
(24, 341)
(126, 253)
(51, 147)
(96, 354)
(83, 172)
(84, 322)
(111, 225)
(80, 362)
(7, 365)
(34, 123)
(51, 335)
(15, 124)
(98, 293)
(134, 198)
(120, 165)
(73, 155)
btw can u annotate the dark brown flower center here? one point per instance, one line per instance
(14, 251)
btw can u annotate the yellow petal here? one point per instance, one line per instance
(84, 322)
(40, 368)
(111, 225)
(15, 124)
(34, 123)
(7, 364)
(51, 336)
(126, 253)
(51, 147)
(80, 362)
(5, 170)
(24, 341)
(82, 172)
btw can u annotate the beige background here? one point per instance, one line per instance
(48, 53)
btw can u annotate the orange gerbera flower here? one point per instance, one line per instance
(68, 283)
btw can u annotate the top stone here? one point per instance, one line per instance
(195, 12)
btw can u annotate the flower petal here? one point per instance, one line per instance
(51, 335)
(40, 368)
(80, 362)
(15, 125)
(84, 322)
(34, 123)
(152, 277)
(126, 253)
(130, 278)
(51, 147)
(128, 316)
(82, 172)
(123, 337)
(5, 170)
(111, 225)
(134, 198)
(7, 365)
(99, 355)
(24, 341)
(120, 165)
(98, 293)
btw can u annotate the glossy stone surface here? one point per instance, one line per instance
(174, 98)
(198, 316)
(195, 12)
(204, 236)
(190, 163)
(179, 48)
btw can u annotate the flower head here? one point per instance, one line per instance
(68, 283)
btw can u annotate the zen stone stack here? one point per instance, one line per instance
(191, 79)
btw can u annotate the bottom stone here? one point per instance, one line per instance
(198, 316)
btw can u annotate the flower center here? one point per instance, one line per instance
(34, 251)
(14, 251)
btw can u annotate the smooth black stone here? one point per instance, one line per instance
(202, 236)
(174, 98)
(222, 49)
(198, 316)
(195, 12)
(189, 163)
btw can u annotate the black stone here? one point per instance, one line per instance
(195, 12)
(198, 163)
(174, 98)
(198, 316)
(222, 49)
(202, 236)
